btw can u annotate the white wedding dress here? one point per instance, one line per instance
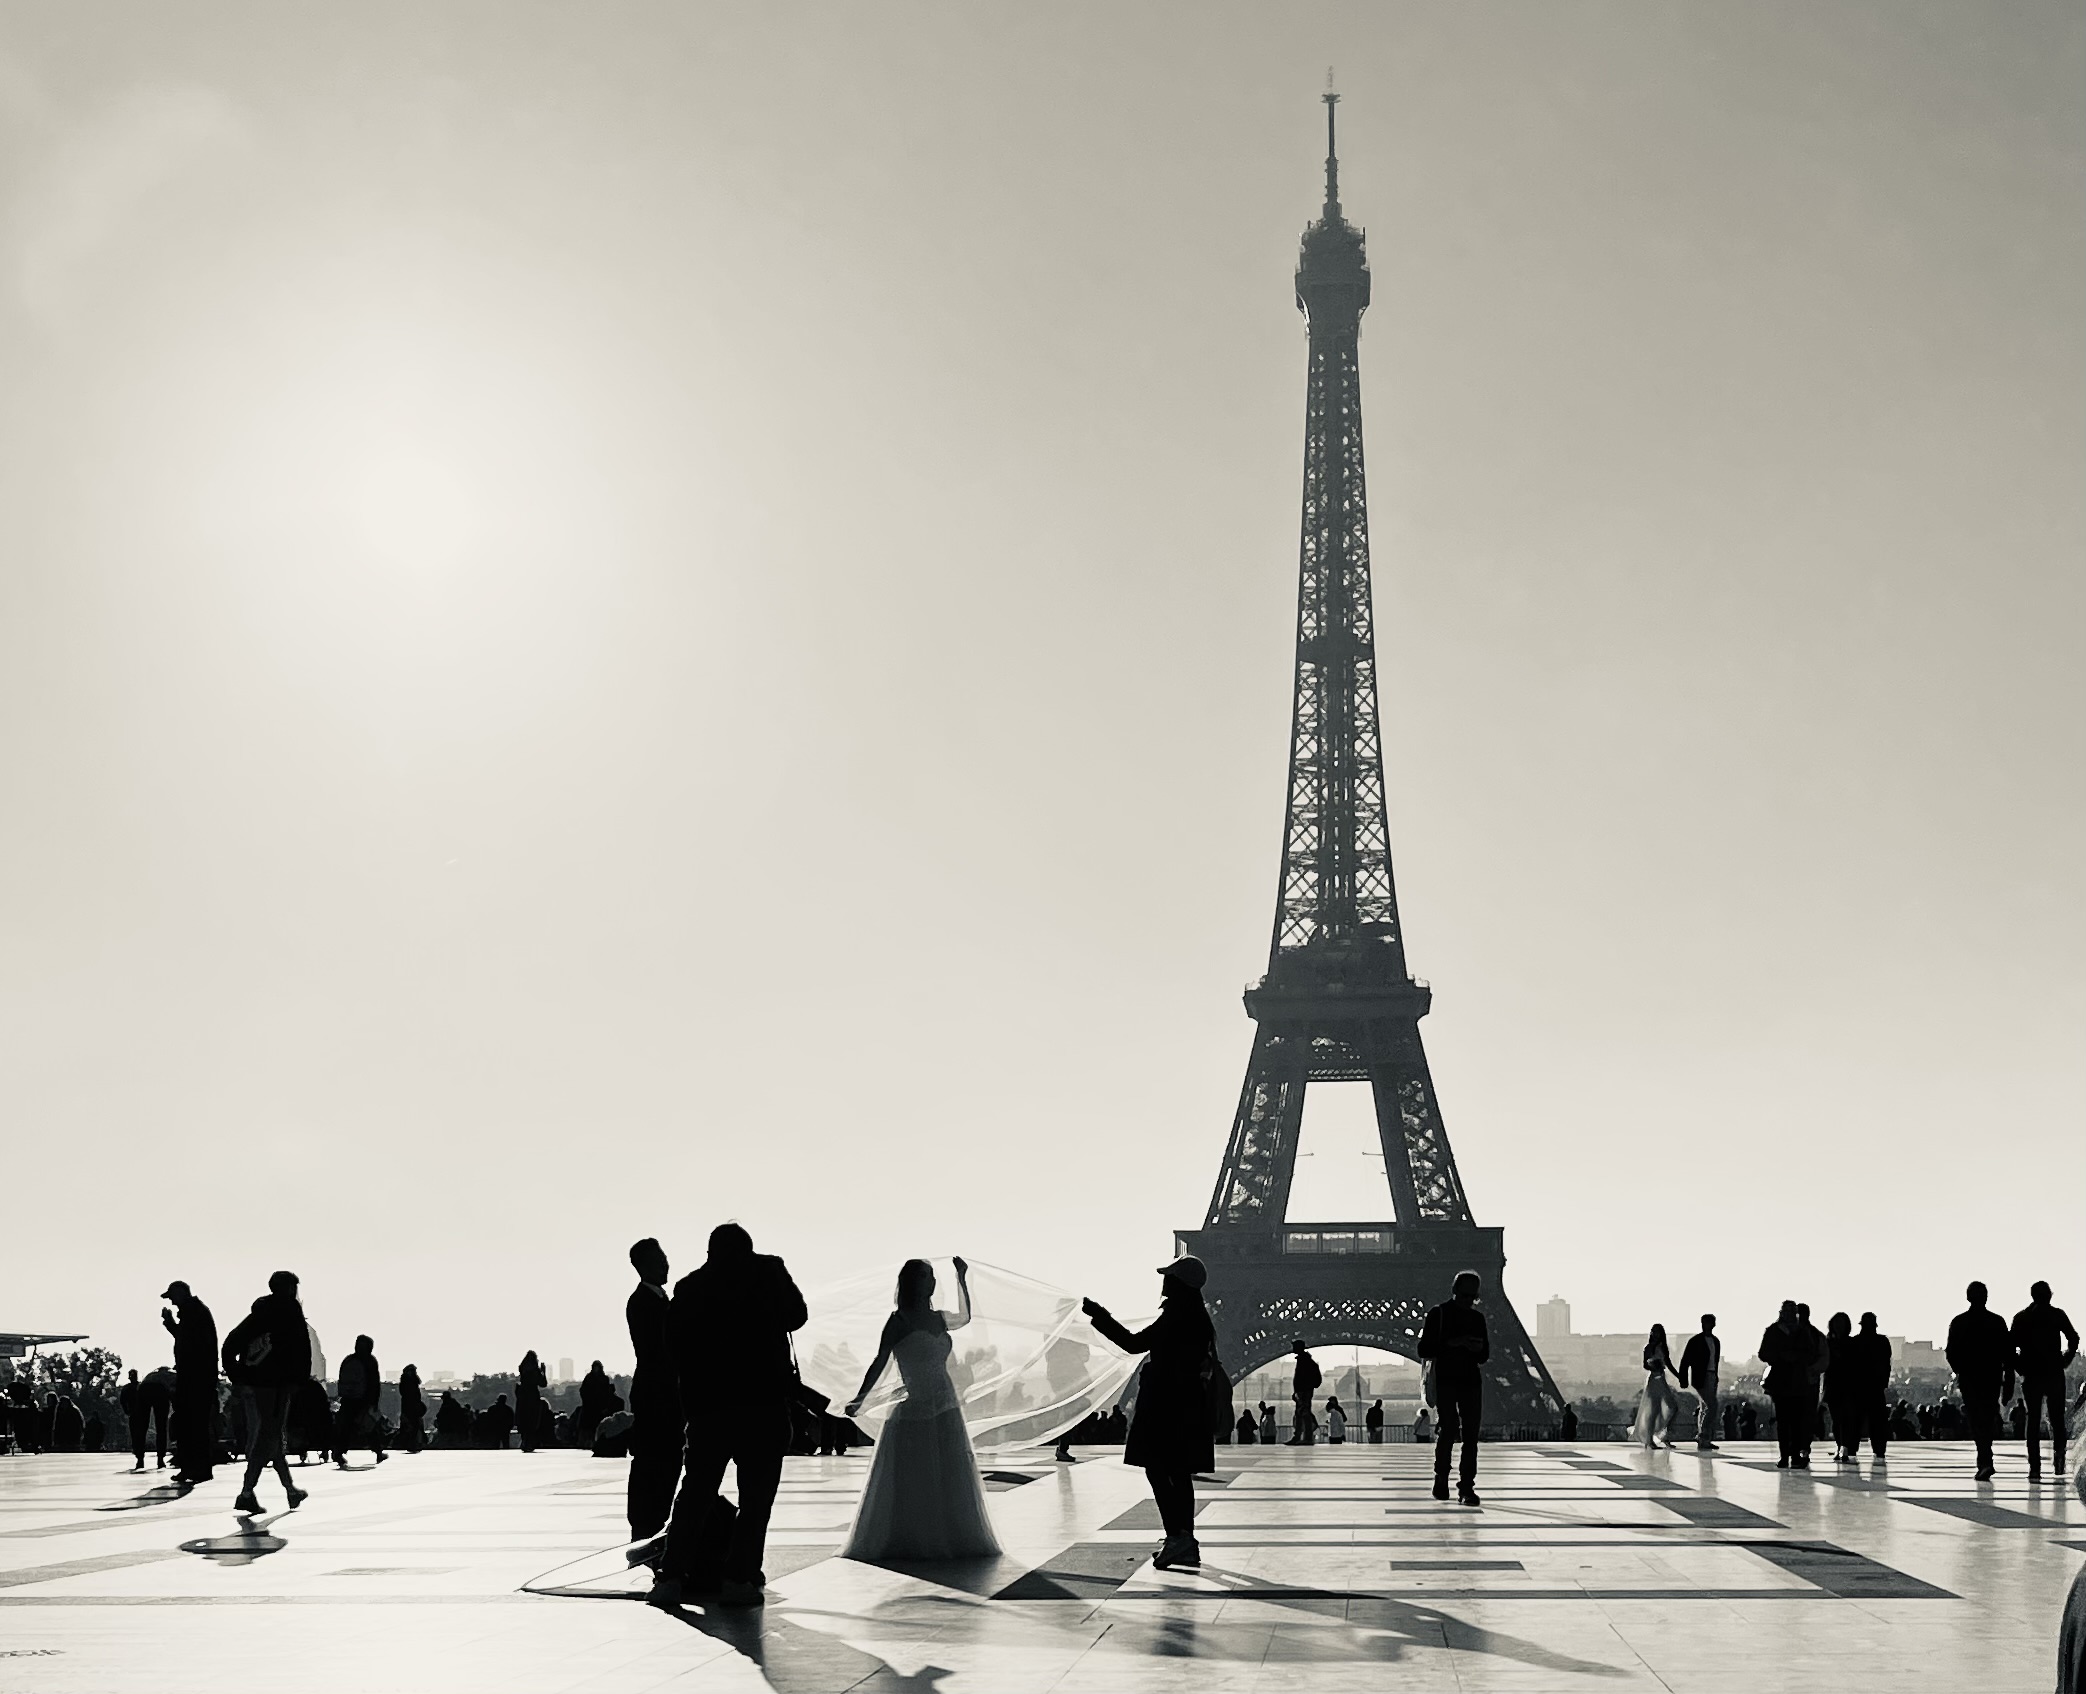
(924, 1499)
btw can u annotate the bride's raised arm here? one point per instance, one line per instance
(876, 1365)
(962, 1315)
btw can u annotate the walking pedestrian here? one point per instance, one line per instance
(1170, 1435)
(195, 1384)
(1335, 1421)
(1456, 1342)
(1814, 1373)
(1655, 1415)
(1981, 1353)
(1372, 1422)
(1787, 1353)
(356, 1424)
(1701, 1361)
(268, 1356)
(1846, 1397)
(2045, 1343)
(1871, 1351)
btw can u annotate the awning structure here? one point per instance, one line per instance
(14, 1343)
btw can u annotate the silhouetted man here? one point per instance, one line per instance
(496, 1423)
(1821, 1356)
(1787, 1352)
(1700, 1362)
(1981, 1353)
(658, 1430)
(730, 1324)
(1303, 1423)
(195, 1383)
(268, 1358)
(2045, 1343)
(1372, 1421)
(1456, 1342)
(1871, 1354)
(355, 1423)
(131, 1397)
(1568, 1425)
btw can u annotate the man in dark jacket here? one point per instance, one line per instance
(1786, 1350)
(1456, 1342)
(2045, 1343)
(195, 1383)
(1871, 1351)
(1700, 1362)
(729, 1324)
(1170, 1436)
(268, 1358)
(658, 1431)
(356, 1423)
(1981, 1353)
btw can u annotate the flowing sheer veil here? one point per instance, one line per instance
(1027, 1367)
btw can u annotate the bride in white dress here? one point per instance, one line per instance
(924, 1499)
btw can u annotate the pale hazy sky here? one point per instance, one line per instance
(618, 615)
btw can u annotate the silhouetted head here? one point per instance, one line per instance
(410, 1373)
(1658, 1335)
(1839, 1324)
(1976, 1294)
(730, 1241)
(177, 1291)
(1803, 1311)
(1709, 1322)
(1298, 1348)
(133, 1376)
(2039, 1292)
(363, 1344)
(1868, 1323)
(283, 1283)
(1466, 1286)
(648, 1259)
(915, 1285)
(1788, 1312)
(529, 1359)
(500, 1400)
(596, 1369)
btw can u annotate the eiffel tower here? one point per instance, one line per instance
(1337, 1003)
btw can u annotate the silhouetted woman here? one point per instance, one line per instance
(1843, 1386)
(1170, 1433)
(412, 1411)
(530, 1380)
(1660, 1401)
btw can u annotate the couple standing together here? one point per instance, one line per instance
(716, 1381)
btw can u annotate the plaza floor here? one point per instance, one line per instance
(1330, 1569)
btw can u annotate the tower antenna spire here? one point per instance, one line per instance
(1332, 151)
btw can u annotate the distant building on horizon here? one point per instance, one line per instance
(564, 1370)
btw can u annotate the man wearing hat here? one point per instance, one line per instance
(195, 1383)
(1170, 1433)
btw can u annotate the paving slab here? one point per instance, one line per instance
(1328, 1569)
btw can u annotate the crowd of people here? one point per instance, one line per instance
(1837, 1382)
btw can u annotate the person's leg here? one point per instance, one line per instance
(138, 1420)
(1444, 1440)
(1878, 1420)
(1706, 1419)
(708, 1452)
(1173, 1492)
(2033, 1394)
(1470, 1413)
(655, 1466)
(758, 1456)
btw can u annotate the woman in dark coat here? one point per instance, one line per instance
(1170, 1432)
(529, 1384)
(412, 1411)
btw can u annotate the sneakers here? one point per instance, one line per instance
(733, 1592)
(382, 1455)
(1181, 1554)
(666, 1593)
(247, 1503)
(1468, 1496)
(297, 1497)
(1441, 1488)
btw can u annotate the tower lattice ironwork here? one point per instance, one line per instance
(1338, 1002)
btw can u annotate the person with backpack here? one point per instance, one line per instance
(356, 1423)
(268, 1357)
